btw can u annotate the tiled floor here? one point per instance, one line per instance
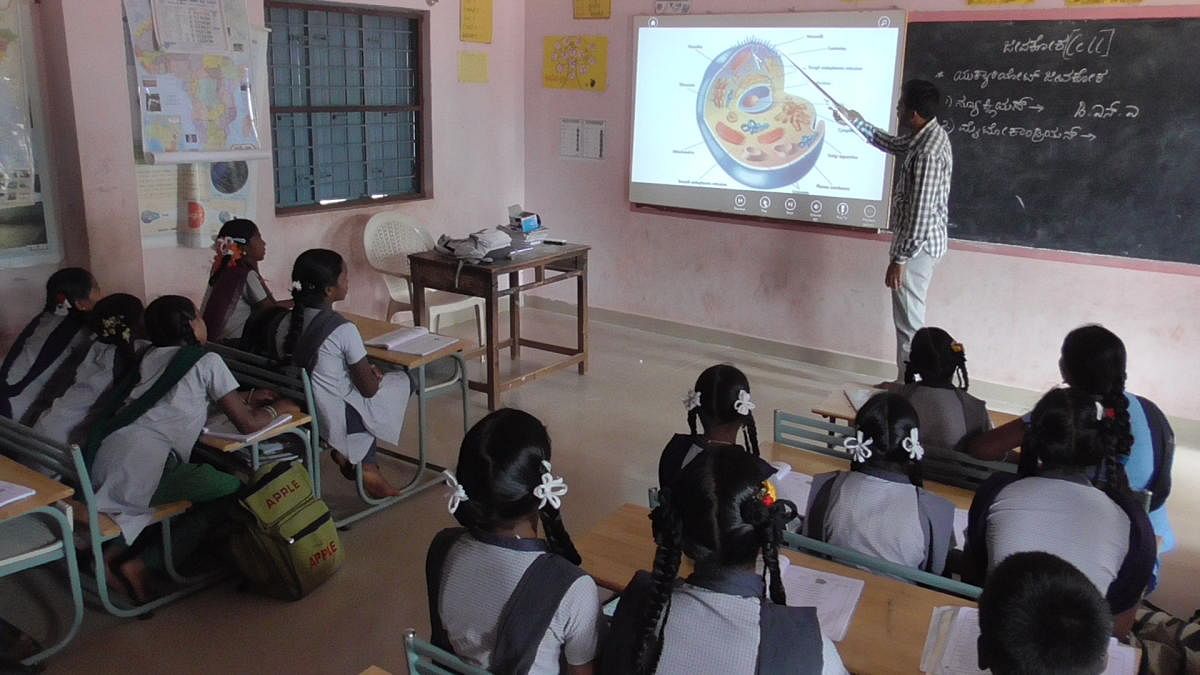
(608, 428)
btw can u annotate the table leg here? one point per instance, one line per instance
(418, 303)
(582, 313)
(421, 405)
(492, 371)
(514, 316)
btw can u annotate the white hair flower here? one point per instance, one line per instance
(458, 494)
(858, 447)
(691, 400)
(743, 405)
(297, 286)
(551, 489)
(912, 445)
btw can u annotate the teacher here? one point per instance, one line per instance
(919, 210)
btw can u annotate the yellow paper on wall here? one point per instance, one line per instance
(593, 9)
(575, 62)
(473, 67)
(475, 24)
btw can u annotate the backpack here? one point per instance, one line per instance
(475, 247)
(286, 543)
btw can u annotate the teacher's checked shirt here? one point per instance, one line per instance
(922, 194)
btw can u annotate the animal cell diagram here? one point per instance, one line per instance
(760, 135)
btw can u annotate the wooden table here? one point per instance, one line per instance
(432, 270)
(887, 633)
(836, 407)
(48, 490)
(812, 464)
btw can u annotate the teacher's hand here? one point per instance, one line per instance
(845, 116)
(894, 276)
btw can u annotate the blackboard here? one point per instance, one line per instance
(1070, 135)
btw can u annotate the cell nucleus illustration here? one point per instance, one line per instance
(759, 134)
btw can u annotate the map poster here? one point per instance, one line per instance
(194, 107)
(17, 187)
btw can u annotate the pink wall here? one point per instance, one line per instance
(815, 287)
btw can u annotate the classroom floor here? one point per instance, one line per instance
(608, 428)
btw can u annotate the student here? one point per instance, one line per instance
(139, 453)
(879, 507)
(1039, 614)
(503, 595)
(236, 291)
(935, 383)
(116, 323)
(1071, 499)
(356, 404)
(32, 375)
(721, 402)
(1093, 361)
(724, 618)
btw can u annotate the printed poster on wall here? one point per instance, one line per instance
(593, 9)
(194, 106)
(475, 21)
(575, 62)
(16, 143)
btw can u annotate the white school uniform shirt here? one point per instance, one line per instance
(712, 632)
(254, 292)
(25, 405)
(65, 420)
(878, 517)
(130, 462)
(383, 413)
(477, 581)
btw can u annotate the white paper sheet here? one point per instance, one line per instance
(960, 527)
(835, 597)
(794, 487)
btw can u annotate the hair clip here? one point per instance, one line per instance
(1099, 411)
(912, 445)
(858, 447)
(297, 286)
(768, 494)
(956, 347)
(458, 493)
(63, 307)
(691, 400)
(551, 489)
(743, 405)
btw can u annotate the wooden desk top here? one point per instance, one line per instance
(811, 463)
(228, 445)
(837, 406)
(372, 328)
(540, 255)
(887, 633)
(48, 491)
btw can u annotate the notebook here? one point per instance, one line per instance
(794, 486)
(950, 646)
(12, 492)
(221, 426)
(414, 340)
(835, 597)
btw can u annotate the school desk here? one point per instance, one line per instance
(372, 328)
(836, 407)
(434, 271)
(887, 632)
(812, 464)
(229, 445)
(48, 491)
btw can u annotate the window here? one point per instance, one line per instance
(348, 89)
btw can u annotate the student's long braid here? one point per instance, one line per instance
(668, 535)
(750, 433)
(770, 534)
(960, 368)
(314, 273)
(556, 534)
(1094, 361)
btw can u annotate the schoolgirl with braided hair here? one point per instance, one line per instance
(356, 403)
(505, 589)
(116, 324)
(720, 402)
(724, 617)
(1093, 360)
(1069, 498)
(879, 507)
(236, 290)
(38, 365)
(935, 382)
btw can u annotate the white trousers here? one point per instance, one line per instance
(908, 305)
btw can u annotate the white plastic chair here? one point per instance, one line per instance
(388, 239)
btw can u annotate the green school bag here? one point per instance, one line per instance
(287, 543)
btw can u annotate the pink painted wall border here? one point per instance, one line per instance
(1057, 14)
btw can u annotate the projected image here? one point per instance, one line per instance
(764, 138)
(759, 134)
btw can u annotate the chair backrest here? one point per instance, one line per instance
(825, 438)
(389, 238)
(253, 370)
(426, 659)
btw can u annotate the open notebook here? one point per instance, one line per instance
(415, 340)
(220, 426)
(950, 647)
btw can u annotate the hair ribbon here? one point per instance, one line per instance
(691, 400)
(743, 405)
(858, 447)
(912, 445)
(551, 489)
(458, 493)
